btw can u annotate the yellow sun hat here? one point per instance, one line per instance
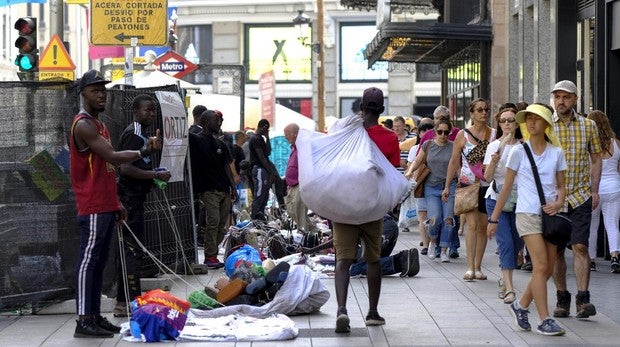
(543, 112)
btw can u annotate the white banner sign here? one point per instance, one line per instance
(174, 132)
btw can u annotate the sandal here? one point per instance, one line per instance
(510, 297)
(479, 275)
(469, 276)
(502, 289)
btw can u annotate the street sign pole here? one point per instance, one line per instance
(129, 53)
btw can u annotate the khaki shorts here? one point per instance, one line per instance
(348, 236)
(528, 224)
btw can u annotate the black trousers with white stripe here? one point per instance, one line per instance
(95, 237)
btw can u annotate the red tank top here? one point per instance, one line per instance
(93, 179)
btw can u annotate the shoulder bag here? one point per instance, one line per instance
(557, 228)
(466, 198)
(420, 176)
(511, 203)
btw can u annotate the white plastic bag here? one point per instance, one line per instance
(343, 176)
(408, 213)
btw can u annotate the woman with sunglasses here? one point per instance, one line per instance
(508, 241)
(468, 155)
(440, 210)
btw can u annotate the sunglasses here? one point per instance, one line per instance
(507, 120)
(480, 110)
(442, 132)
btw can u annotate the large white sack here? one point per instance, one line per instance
(343, 176)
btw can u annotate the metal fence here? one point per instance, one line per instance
(39, 238)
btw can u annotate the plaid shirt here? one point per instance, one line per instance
(579, 138)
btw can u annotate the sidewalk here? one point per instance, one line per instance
(434, 308)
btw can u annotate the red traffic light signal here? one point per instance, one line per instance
(28, 57)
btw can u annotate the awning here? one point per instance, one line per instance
(424, 43)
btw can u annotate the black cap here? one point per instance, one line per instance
(91, 77)
(372, 97)
(388, 123)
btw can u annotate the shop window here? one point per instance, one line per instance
(276, 47)
(354, 38)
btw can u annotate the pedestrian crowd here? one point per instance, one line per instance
(483, 181)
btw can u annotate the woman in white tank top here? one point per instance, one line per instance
(609, 190)
(476, 220)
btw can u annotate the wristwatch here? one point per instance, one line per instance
(492, 221)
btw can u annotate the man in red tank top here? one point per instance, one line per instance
(93, 178)
(347, 236)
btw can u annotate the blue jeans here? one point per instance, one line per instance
(440, 211)
(388, 241)
(387, 267)
(508, 241)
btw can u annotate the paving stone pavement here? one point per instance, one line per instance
(434, 308)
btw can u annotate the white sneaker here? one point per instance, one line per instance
(445, 258)
(431, 250)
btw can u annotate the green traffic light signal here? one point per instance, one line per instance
(25, 62)
(28, 57)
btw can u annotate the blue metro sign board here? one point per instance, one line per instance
(174, 64)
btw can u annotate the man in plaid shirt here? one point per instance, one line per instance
(582, 149)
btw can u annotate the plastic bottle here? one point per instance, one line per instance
(161, 184)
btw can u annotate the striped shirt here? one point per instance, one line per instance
(578, 139)
(404, 154)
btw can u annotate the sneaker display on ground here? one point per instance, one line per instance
(87, 328)
(424, 251)
(550, 328)
(454, 253)
(373, 319)
(592, 265)
(562, 307)
(584, 308)
(105, 323)
(615, 265)
(444, 258)
(342, 323)
(414, 262)
(527, 266)
(520, 316)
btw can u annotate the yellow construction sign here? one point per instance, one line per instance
(116, 23)
(55, 56)
(52, 75)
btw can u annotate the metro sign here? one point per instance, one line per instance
(174, 64)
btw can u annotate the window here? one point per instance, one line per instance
(301, 105)
(195, 44)
(425, 105)
(354, 38)
(427, 72)
(276, 47)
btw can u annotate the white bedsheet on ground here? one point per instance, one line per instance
(239, 328)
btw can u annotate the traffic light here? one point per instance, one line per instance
(28, 57)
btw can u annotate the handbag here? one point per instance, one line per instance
(511, 203)
(420, 175)
(466, 198)
(477, 153)
(557, 228)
